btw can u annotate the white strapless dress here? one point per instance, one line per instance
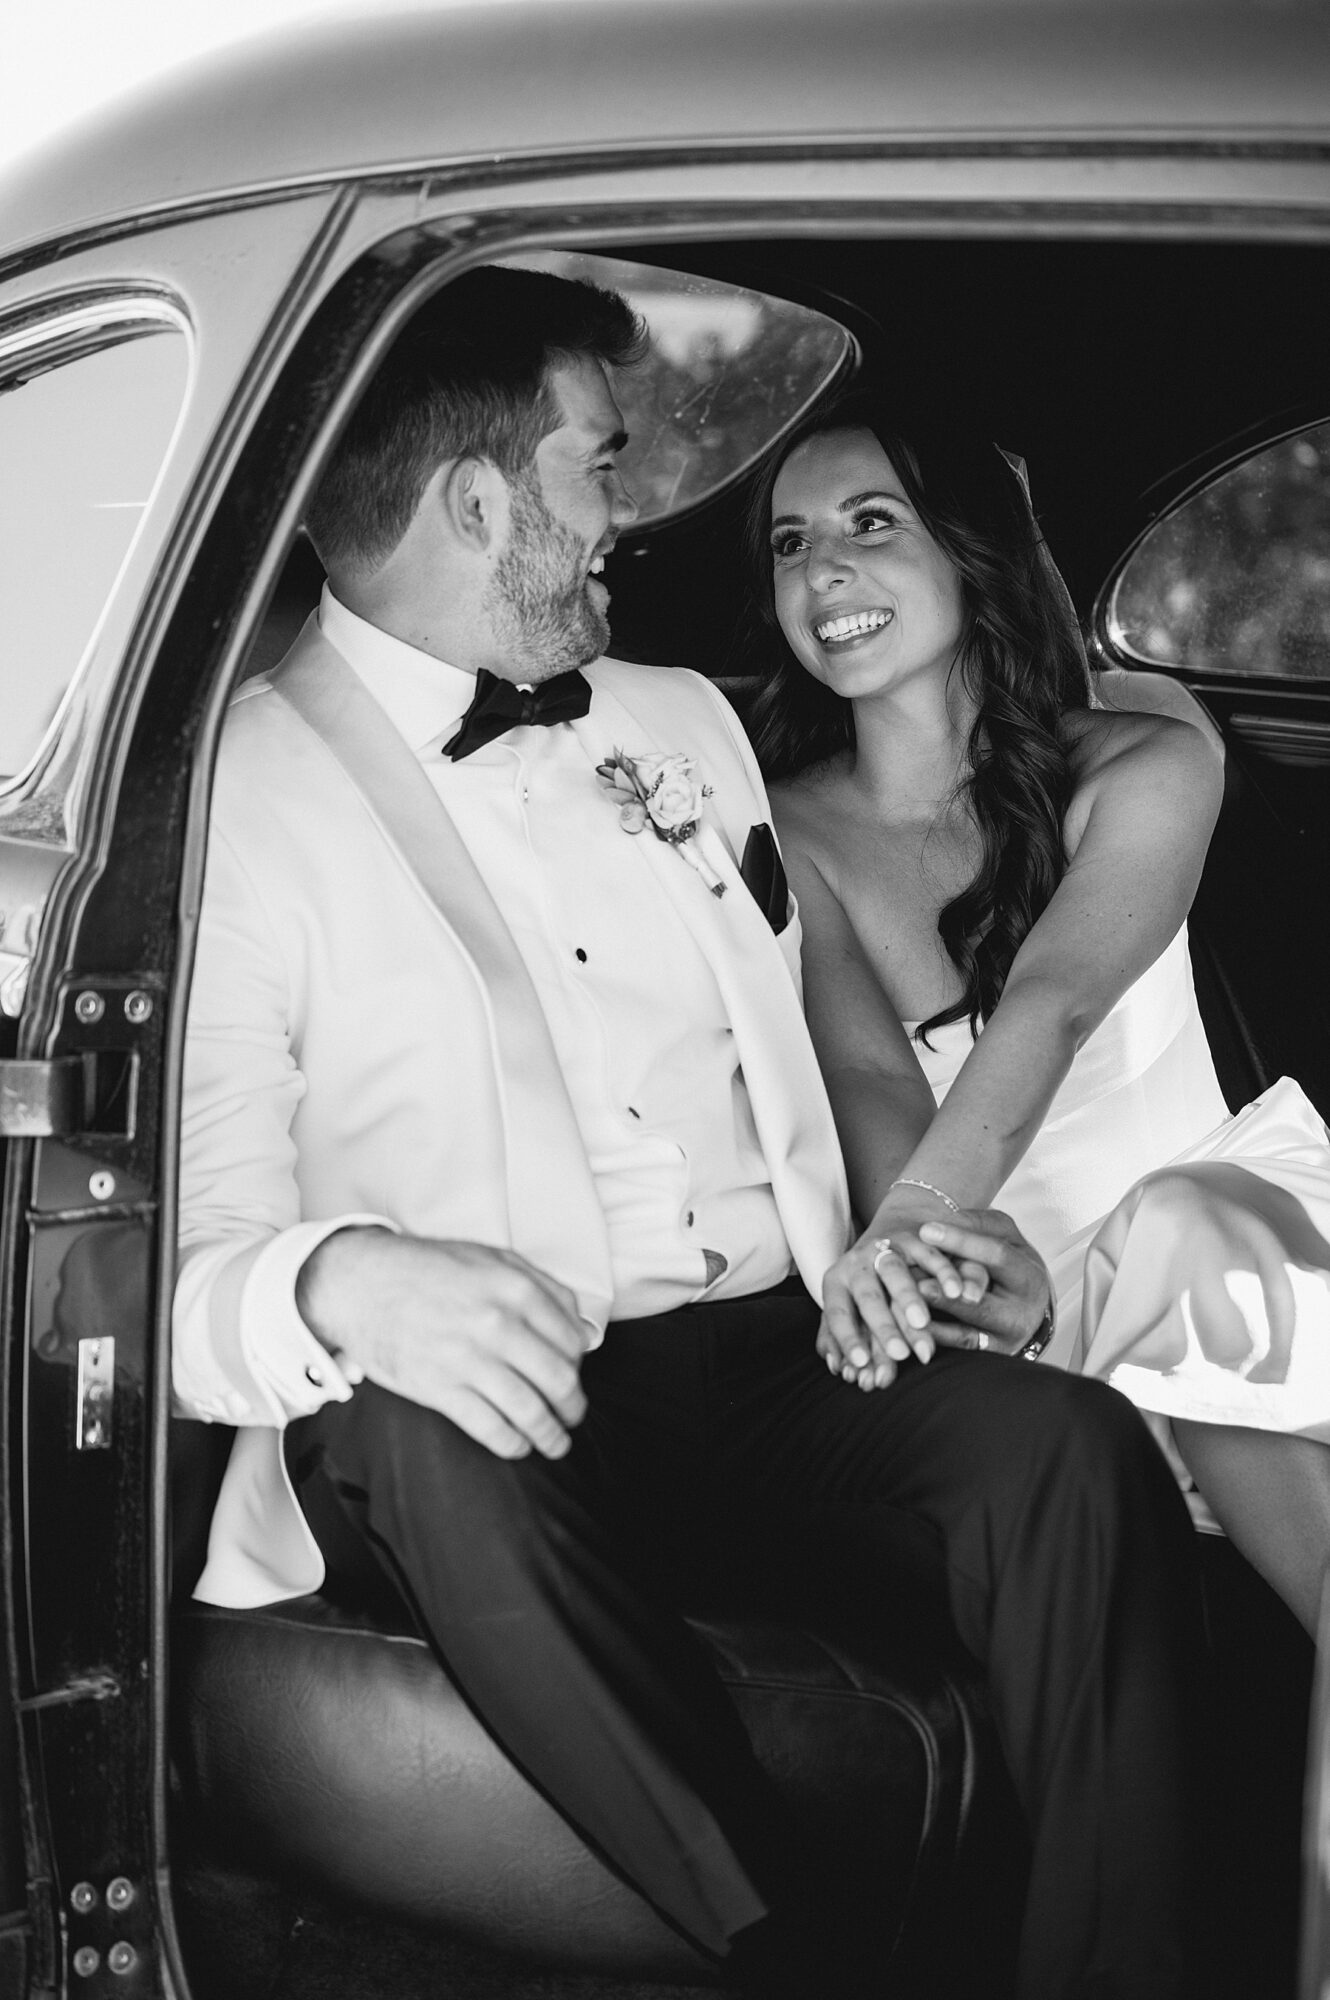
(1189, 1250)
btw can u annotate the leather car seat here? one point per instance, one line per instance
(322, 1742)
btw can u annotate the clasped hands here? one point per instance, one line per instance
(945, 1279)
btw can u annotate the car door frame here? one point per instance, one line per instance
(84, 1679)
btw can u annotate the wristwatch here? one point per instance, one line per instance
(1041, 1336)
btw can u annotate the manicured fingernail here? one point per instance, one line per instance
(973, 1293)
(859, 1356)
(951, 1288)
(898, 1347)
(917, 1315)
(932, 1232)
(883, 1376)
(866, 1378)
(928, 1288)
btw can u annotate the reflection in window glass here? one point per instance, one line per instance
(1237, 580)
(729, 369)
(81, 446)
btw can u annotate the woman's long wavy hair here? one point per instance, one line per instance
(1020, 658)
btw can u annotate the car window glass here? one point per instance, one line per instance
(1237, 579)
(82, 441)
(729, 369)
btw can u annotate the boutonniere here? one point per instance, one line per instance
(661, 791)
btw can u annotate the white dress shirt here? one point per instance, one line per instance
(633, 1008)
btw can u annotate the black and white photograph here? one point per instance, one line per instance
(664, 1038)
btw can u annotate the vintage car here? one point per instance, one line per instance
(1099, 228)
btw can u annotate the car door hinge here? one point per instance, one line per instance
(96, 1394)
(90, 1094)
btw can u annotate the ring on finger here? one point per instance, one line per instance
(982, 1343)
(882, 1248)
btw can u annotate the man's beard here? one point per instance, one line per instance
(542, 616)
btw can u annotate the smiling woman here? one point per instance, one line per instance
(863, 594)
(995, 877)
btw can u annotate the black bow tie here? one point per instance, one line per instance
(497, 706)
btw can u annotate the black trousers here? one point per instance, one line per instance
(1028, 1508)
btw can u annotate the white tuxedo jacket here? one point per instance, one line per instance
(366, 1045)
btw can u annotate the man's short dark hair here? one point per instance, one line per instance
(468, 378)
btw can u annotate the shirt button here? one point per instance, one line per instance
(580, 955)
(313, 1376)
(688, 1219)
(525, 795)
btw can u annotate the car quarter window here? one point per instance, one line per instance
(728, 370)
(1236, 579)
(89, 400)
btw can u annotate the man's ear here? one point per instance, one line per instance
(472, 494)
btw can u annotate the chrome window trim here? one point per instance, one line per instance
(71, 331)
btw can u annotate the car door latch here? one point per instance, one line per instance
(92, 1094)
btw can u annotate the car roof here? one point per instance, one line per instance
(429, 86)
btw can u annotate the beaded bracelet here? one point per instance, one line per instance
(908, 1180)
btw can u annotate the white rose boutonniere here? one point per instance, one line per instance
(663, 791)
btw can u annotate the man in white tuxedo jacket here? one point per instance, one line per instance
(508, 1184)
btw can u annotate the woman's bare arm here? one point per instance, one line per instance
(882, 1104)
(1138, 830)
(879, 1095)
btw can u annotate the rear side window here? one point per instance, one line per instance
(1236, 579)
(729, 370)
(88, 405)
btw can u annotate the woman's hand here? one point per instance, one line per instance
(875, 1310)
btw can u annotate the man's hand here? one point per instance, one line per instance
(1018, 1290)
(937, 1285)
(474, 1332)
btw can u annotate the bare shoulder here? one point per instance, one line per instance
(1152, 771)
(1101, 742)
(1140, 691)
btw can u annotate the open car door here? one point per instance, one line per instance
(126, 373)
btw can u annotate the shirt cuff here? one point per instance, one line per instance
(280, 1352)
